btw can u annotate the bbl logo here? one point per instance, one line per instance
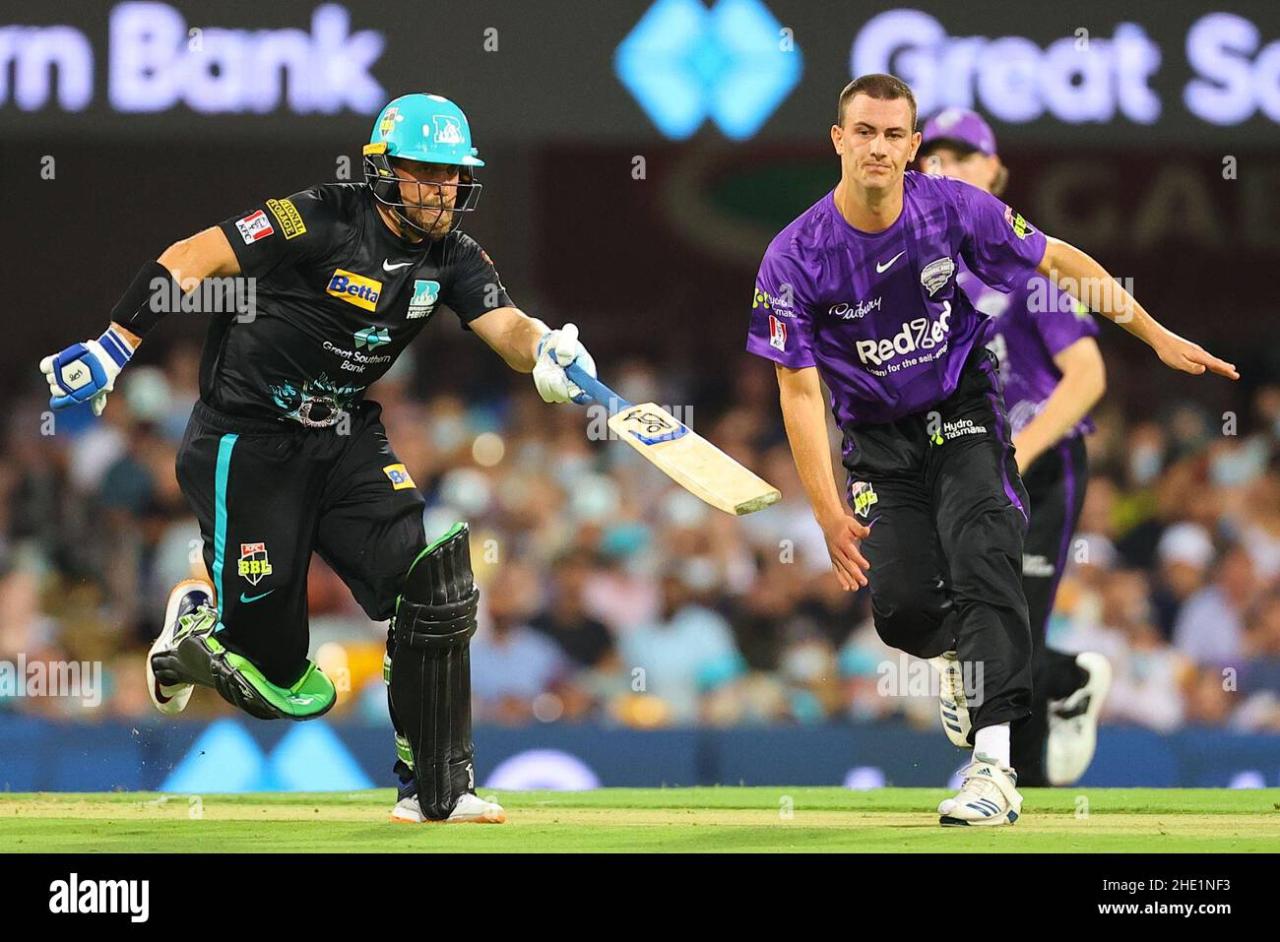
(254, 564)
(864, 496)
(1021, 228)
(388, 122)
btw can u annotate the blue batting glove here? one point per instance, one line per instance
(86, 372)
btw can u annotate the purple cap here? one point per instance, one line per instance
(965, 127)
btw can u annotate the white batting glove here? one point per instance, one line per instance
(556, 350)
(86, 372)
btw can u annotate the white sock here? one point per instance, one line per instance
(993, 742)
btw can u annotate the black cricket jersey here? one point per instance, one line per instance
(336, 296)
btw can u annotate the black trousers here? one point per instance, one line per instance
(947, 510)
(1056, 483)
(268, 495)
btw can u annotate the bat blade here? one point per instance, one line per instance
(691, 461)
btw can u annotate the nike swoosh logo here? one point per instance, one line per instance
(253, 598)
(389, 268)
(881, 269)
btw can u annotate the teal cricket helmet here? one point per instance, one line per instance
(428, 129)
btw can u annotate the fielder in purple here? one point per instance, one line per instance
(861, 292)
(915, 392)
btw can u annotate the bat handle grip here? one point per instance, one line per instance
(593, 387)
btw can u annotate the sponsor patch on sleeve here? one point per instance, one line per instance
(291, 224)
(777, 333)
(1021, 228)
(399, 475)
(255, 226)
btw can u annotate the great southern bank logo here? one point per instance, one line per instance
(733, 62)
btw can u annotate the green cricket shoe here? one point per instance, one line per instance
(169, 694)
(198, 657)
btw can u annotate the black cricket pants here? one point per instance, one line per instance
(948, 511)
(1056, 482)
(267, 495)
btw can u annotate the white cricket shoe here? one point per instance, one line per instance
(988, 797)
(1073, 723)
(186, 597)
(953, 705)
(470, 809)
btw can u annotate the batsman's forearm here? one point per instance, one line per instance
(805, 418)
(178, 270)
(1080, 276)
(128, 334)
(519, 347)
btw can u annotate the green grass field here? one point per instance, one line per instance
(647, 820)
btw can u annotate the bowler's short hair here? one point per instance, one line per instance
(879, 86)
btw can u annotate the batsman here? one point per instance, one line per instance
(283, 456)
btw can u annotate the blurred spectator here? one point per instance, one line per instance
(1210, 627)
(585, 640)
(1184, 554)
(689, 650)
(512, 665)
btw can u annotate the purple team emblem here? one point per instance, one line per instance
(936, 274)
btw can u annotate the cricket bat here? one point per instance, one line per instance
(684, 456)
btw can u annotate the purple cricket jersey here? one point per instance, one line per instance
(1028, 327)
(880, 314)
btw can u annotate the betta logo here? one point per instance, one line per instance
(355, 289)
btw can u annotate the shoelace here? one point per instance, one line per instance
(195, 621)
